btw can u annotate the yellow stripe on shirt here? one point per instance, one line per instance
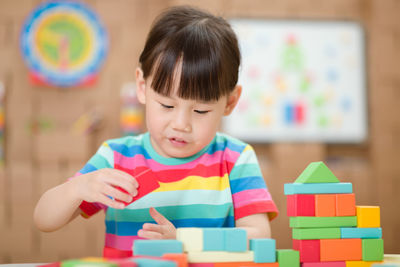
(196, 182)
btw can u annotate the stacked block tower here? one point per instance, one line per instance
(328, 229)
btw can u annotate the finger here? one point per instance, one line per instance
(149, 234)
(152, 227)
(158, 217)
(128, 177)
(110, 203)
(116, 194)
(123, 183)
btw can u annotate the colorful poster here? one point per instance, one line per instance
(302, 81)
(63, 43)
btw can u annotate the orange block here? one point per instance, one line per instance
(325, 205)
(245, 264)
(345, 205)
(341, 249)
(179, 258)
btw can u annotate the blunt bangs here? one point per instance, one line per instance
(203, 50)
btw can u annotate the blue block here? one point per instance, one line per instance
(213, 239)
(156, 248)
(264, 250)
(143, 262)
(318, 188)
(363, 233)
(235, 239)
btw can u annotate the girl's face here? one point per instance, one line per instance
(178, 127)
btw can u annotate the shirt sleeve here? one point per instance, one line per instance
(249, 192)
(103, 158)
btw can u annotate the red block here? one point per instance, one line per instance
(345, 205)
(300, 205)
(113, 253)
(309, 249)
(146, 179)
(325, 264)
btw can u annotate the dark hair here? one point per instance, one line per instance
(206, 46)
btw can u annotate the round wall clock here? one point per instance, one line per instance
(63, 43)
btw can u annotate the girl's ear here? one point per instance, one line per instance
(140, 86)
(233, 99)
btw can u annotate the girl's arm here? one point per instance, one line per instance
(256, 225)
(60, 204)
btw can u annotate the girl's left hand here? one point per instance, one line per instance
(164, 229)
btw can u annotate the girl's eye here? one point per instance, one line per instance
(166, 106)
(202, 111)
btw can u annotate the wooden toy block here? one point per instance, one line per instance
(147, 262)
(214, 239)
(322, 222)
(345, 205)
(300, 205)
(360, 263)
(264, 249)
(368, 217)
(309, 250)
(288, 258)
(235, 239)
(191, 237)
(341, 249)
(315, 233)
(317, 172)
(113, 253)
(179, 258)
(54, 264)
(83, 263)
(320, 188)
(324, 264)
(201, 264)
(124, 262)
(325, 205)
(147, 181)
(372, 249)
(364, 233)
(219, 256)
(246, 264)
(157, 248)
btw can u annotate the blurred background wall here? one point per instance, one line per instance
(38, 160)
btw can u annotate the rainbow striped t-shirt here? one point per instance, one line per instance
(213, 188)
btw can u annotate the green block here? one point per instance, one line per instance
(84, 263)
(317, 172)
(288, 258)
(316, 233)
(372, 249)
(322, 222)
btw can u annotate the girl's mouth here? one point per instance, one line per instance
(177, 141)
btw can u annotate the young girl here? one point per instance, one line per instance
(193, 175)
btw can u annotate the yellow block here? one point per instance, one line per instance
(368, 216)
(220, 256)
(191, 237)
(361, 263)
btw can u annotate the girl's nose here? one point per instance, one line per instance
(181, 122)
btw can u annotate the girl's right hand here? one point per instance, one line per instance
(100, 186)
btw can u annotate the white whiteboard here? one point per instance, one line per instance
(303, 81)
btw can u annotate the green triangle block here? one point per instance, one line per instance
(317, 172)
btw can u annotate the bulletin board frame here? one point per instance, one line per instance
(303, 81)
